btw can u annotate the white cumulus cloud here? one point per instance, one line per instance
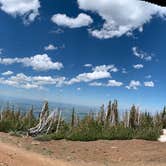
(110, 83)
(80, 21)
(98, 72)
(88, 65)
(141, 54)
(96, 84)
(149, 84)
(121, 16)
(134, 85)
(138, 66)
(114, 83)
(7, 73)
(38, 62)
(50, 47)
(28, 82)
(28, 9)
(87, 77)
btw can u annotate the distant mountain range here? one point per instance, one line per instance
(25, 105)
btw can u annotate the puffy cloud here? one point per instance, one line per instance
(8, 82)
(141, 54)
(110, 68)
(20, 78)
(134, 85)
(8, 61)
(149, 84)
(80, 21)
(41, 63)
(88, 65)
(30, 86)
(38, 62)
(98, 72)
(121, 16)
(138, 66)
(7, 73)
(111, 83)
(87, 77)
(23, 81)
(28, 82)
(48, 80)
(28, 9)
(50, 47)
(114, 83)
(96, 84)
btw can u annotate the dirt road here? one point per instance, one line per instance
(16, 151)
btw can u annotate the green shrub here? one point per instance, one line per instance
(5, 126)
(88, 130)
(117, 133)
(151, 134)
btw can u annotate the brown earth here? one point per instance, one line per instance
(24, 151)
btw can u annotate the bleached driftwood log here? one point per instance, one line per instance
(45, 121)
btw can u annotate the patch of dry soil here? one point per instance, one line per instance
(16, 151)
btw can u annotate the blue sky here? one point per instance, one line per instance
(83, 52)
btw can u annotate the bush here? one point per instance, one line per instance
(5, 126)
(117, 133)
(151, 134)
(87, 130)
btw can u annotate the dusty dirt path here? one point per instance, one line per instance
(13, 156)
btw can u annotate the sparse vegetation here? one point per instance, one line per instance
(11, 120)
(106, 124)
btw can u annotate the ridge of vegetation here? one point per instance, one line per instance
(106, 124)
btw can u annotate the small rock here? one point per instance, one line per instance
(69, 158)
(35, 143)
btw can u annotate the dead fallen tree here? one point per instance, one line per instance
(46, 120)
